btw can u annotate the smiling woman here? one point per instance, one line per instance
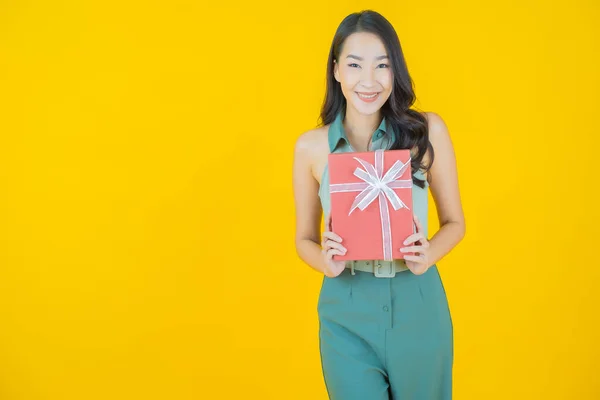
(391, 337)
(377, 72)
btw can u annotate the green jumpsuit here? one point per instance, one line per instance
(384, 337)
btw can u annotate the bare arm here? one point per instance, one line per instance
(445, 191)
(308, 207)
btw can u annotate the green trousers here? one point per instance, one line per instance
(386, 338)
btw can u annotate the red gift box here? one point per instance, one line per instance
(371, 203)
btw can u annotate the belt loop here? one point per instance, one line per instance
(352, 268)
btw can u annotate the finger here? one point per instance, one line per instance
(332, 236)
(331, 252)
(328, 222)
(412, 249)
(418, 223)
(330, 244)
(413, 238)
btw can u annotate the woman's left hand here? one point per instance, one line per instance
(418, 263)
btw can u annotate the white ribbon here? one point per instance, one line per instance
(377, 185)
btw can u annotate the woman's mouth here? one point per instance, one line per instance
(368, 97)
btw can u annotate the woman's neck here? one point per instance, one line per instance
(360, 128)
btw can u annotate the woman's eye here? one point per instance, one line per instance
(385, 65)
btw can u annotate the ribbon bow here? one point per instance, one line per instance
(377, 185)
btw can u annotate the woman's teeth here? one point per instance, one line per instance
(368, 97)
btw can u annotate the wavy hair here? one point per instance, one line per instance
(410, 126)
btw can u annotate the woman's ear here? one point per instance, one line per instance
(336, 74)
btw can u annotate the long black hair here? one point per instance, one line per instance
(410, 126)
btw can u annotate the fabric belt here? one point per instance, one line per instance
(380, 268)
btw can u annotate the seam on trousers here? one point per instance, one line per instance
(387, 330)
(350, 290)
(385, 353)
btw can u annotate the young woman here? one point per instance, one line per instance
(388, 335)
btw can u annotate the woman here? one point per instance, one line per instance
(387, 336)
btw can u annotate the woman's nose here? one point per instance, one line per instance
(368, 77)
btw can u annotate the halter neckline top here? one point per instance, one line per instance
(382, 139)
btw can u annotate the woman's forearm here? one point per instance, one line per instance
(444, 240)
(310, 253)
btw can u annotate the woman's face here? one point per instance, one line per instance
(364, 72)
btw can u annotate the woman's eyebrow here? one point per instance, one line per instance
(360, 58)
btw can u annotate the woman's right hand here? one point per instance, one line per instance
(331, 244)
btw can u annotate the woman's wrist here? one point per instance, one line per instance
(311, 253)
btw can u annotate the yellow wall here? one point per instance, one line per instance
(146, 213)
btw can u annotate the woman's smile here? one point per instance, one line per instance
(368, 97)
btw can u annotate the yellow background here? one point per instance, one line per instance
(146, 210)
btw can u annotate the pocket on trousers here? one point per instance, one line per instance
(432, 290)
(334, 291)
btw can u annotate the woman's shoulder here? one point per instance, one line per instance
(439, 136)
(438, 130)
(436, 126)
(434, 120)
(313, 141)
